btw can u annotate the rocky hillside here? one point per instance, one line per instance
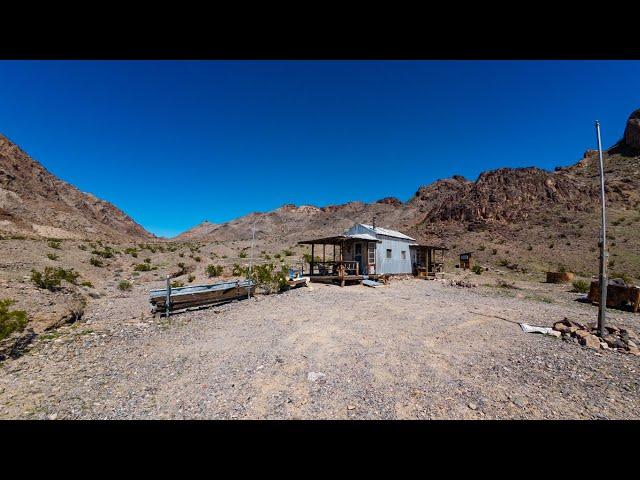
(33, 202)
(526, 215)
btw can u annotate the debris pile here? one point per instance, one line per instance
(462, 283)
(619, 339)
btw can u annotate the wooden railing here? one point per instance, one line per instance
(335, 268)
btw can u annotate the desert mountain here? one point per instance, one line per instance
(33, 202)
(543, 216)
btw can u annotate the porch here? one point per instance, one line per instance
(351, 258)
(428, 260)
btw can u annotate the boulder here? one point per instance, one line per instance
(590, 341)
(560, 277)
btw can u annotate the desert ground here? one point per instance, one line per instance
(413, 349)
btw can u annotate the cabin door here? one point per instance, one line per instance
(357, 256)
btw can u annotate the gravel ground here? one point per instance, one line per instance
(414, 349)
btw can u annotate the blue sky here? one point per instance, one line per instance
(174, 143)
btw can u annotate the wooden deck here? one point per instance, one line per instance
(342, 279)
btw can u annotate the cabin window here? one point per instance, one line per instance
(372, 253)
(403, 254)
(388, 253)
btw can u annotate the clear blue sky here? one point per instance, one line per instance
(174, 143)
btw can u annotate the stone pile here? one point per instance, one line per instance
(619, 339)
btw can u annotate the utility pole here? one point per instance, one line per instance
(253, 239)
(602, 307)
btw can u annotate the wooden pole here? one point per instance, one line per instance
(312, 258)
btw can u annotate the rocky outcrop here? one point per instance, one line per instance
(632, 131)
(390, 201)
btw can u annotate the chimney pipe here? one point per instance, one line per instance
(374, 222)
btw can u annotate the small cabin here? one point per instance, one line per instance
(370, 250)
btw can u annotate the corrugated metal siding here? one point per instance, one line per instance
(395, 264)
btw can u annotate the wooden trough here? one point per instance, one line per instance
(618, 295)
(181, 298)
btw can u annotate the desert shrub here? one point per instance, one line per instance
(551, 245)
(482, 248)
(133, 251)
(562, 269)
(477, 269)
(580, 286)
(191, 278)
(181, 255)
(503, 262)
(176, 284)
(87, 283)
(214, 270)
(288, 253)
(54, 243)
(52, 277)
(107, 252)
(307, 258)
(147, 260)
(266, 256)
(277, 255)
(95, 262)
(82, 246)
(142, 267)
(124, 286)
(494, 251)
(239, 271)
(269, 278)
(52, 256)
(11, 321)
(197, 259)
(242, 255)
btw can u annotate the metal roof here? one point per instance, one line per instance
(387, 232)
(364, 236)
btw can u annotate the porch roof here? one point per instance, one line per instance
(432, 247)
(338, 239)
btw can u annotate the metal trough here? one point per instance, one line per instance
(199, 295)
